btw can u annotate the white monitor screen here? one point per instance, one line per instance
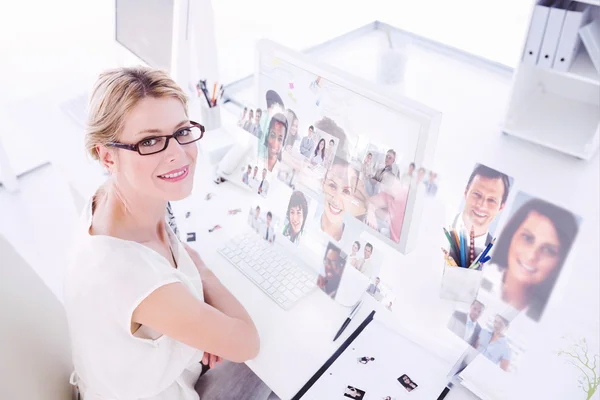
(356, 158)
(146, 29)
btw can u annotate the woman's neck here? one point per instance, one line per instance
(333, 230)
(132, 214)
(515, 293)
(272, 160)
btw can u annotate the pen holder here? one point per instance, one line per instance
(460, 284)
(211, 117)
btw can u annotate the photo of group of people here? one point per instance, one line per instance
(526, 261)
(263, 223)
(255, 180)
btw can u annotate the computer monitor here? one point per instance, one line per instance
(352, 148)
(175, 35)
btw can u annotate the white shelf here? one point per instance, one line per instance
(556, 122)
(592, 2)
(583, 69)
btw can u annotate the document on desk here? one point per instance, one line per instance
(379, 363)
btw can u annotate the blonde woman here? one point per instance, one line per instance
(144, 311)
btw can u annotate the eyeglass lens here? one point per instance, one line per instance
(158, 144)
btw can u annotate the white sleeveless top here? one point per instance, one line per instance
(106, 279)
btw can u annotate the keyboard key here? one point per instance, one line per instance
(285, 282)
(271, 290)
(265, 285)
(298, 292)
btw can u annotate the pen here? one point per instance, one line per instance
(487, 249)
(472, 246)
(347, 321)
(205, 92)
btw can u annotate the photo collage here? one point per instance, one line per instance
(322, 172)
(526, 257)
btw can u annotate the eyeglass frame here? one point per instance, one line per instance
(136, 147)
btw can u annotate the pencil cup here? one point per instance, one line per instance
(460, 284)
(211, 117)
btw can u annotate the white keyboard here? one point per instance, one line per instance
(279, 276)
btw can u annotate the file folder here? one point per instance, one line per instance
(568, 46)
(535, 36)
(552, 35)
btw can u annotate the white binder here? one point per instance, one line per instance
(568, 46)
(590, 35)
(535, 36)
(552, 35)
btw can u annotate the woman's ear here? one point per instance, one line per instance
(107, 158)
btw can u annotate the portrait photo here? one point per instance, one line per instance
(484, 198)
(351, 392)
(334, 262)
(296, 216)
(407, 383)
(529, 255)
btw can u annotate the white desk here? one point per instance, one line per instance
(294, 343)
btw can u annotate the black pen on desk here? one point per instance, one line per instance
(347, 321)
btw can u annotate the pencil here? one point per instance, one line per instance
(449, 258)
(214, 94)
(472, 246)
(452, 245)
(463, 250)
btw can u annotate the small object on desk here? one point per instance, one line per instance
(209, 196)
(407, 383)
(214, 228)
(352, 392)
(202, 84)
(190, 237)
(234, 211)
(348, 319)
(365, 360)
(187, 214)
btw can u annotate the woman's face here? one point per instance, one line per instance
(321, 145)
(294, 128)
(296, 218)
(147, 175)
(338, 186)
(354, 248)
(534, 250)
(369, 158)
(275, 141)
(499, 325)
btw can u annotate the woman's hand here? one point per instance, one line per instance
(200, 266)
(211, 360)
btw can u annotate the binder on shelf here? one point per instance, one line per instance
(590, 36)
(569, 43)
(552, 35)
(535, 36)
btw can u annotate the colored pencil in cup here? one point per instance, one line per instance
(449, 258)
(472, 246)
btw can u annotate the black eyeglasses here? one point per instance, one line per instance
(156, 144)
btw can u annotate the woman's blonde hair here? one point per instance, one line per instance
(115, 93)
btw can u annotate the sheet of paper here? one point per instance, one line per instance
(375, 361)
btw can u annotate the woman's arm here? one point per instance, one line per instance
(220, 325)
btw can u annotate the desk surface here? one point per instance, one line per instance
(294, 343)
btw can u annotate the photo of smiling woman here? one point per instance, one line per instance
(296, 214)
(274, 139)
(529, 256)
(318, 157)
